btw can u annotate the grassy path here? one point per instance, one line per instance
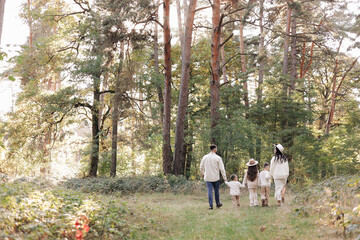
(39, 210)
(187, 217)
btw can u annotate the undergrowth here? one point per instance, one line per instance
(138, 184)
(37, 210)
(336, 201)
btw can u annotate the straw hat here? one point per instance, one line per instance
(252, 162)
(280, 147)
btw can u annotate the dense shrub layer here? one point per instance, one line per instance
(138, 184)
(337, 201)
(40, 210)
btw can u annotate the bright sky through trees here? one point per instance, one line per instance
(60, 65)
(14, 34)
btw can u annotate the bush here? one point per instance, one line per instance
(138, 184)
(337, 201)
(34, 210)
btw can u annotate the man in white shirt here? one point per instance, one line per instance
(210, 166)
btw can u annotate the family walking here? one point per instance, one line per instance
(278, 169)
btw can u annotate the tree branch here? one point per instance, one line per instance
(105, 115)
(136, 99)
(78, 2)
(237, 10)
(226, 40)
(107, 91)
(61, 16)
(81, 104)
(202, 8)
(157, 21)
(347, 71)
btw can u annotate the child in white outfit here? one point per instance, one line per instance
(235, 187)
(264, 183)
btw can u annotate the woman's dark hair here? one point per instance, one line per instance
(252, 173)
(279, 156)
(212, 147)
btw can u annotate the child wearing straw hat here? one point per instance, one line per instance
(251, 178)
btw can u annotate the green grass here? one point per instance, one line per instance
(39, 210)
(187, 217)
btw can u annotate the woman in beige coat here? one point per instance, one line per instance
(279, 170)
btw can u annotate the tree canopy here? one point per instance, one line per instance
(117, 87)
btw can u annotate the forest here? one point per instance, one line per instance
(124, 97)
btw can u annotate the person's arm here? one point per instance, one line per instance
(268, 177)
(258, 178)
(245, 179)
(202, 169)
(222, 169)
(287, 167)
(227, 183)
(272, 166)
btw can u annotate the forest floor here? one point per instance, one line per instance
(40, 210)
(188, 217)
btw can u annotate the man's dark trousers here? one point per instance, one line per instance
(216, 186)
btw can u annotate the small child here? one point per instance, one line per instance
(264, 183)
(235, 187)
(251, 178)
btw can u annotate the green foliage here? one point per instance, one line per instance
(136, 184)
(36, 210)
(336, 201)
(81, 51)
(34, 125)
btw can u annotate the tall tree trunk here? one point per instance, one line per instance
(245, 82)
(261, 52)
(115, 113)
(286, 45)
(215, 67)
(333, 94)
(95, 143)
(285, 71)
(332, 105)
(156, 65)
(185, 10)
(243, 66)
(167, 155)
(322, 119)
(30, 25)
(293, 76)
(180, 25)
(293, 70)
(185, 145)
(184, 90)
(179, 164)
(223, 61)
(189, 156)
(105, 86)
(261, 58)
(2, 11)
